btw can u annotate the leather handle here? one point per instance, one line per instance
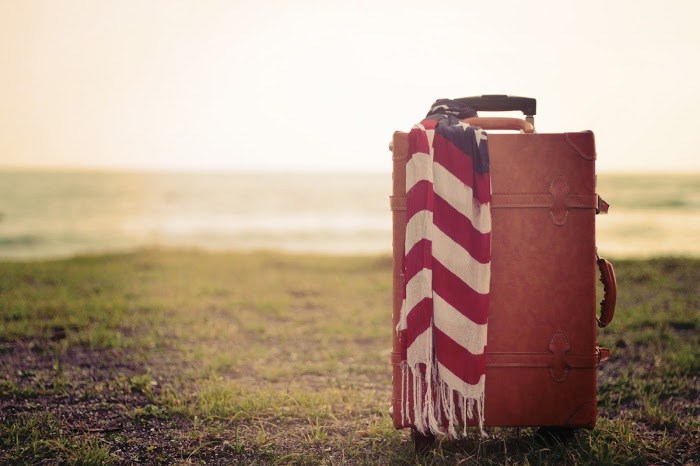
(607, 305)
(515, 124)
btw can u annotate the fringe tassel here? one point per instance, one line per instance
(429, 412)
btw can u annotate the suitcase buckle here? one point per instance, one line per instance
(602, 206)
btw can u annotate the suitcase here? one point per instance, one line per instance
(541, 355)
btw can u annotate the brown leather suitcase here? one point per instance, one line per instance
(542, 355)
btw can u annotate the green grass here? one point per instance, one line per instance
(34, 438)
(264, 358)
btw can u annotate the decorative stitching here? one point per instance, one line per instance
(559, 199)
(576, 148)
(588, 411)
(559, 222)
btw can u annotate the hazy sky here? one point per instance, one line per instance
(321, 85)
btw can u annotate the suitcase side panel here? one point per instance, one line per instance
(541, 322)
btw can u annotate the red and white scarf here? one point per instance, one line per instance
(447, 269)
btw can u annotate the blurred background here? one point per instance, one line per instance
(265, 125)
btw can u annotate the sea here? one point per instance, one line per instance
(55, 214)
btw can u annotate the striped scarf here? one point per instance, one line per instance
(446, 269)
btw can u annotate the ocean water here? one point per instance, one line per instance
(56, 214)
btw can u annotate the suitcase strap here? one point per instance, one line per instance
(559, 360)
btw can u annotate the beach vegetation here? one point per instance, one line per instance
(188, 357)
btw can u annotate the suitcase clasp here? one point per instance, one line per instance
(559, 345)
(559, 189)
(602, 206)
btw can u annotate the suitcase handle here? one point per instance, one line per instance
(501, 103)
(607, 305)
(515, 124)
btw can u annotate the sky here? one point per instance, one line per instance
(322, 85)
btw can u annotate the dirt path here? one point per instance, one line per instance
(107, 396)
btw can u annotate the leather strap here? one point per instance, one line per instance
(602, 354)
(573, 360)
(501, 123)
(545, 201)
(397, 202)
(520, 201)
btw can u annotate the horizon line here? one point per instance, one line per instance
(278, 170)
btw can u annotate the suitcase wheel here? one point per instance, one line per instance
(422, 442)
(562, 435)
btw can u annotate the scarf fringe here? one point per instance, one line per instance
(429, 413)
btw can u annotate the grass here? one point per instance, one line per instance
(186, 357)
(39, 436)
